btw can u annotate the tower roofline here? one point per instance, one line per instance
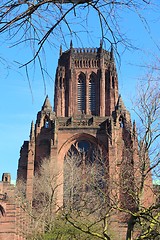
(86, 50)
(82, 54)
(81, 50)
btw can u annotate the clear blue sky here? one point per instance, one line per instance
(19, 104)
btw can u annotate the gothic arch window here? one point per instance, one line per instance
(92, 93)
(81, 93)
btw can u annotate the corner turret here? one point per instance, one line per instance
(47, 106)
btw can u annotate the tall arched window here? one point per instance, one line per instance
(92, 93)
(81, 93)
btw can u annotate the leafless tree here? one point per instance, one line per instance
(148, 111)
(87, 184)
(40, 214)
(140, 213)
(90, 205)
(38, 22)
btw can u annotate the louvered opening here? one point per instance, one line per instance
(81, 93)
(92, 95)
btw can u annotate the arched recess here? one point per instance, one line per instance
(66, 146)
(92, 93)
(85, 172)
(81, 93)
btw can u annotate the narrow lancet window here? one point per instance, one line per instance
(81, 93)
(92, 94)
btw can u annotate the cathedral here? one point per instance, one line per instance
(90, 120)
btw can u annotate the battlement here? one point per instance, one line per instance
(86, 50)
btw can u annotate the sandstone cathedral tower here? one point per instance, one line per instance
(89, 117)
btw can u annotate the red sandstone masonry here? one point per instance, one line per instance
(108, 125)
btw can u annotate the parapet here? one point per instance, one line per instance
(85, 50)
